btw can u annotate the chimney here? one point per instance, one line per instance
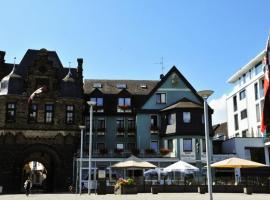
(80, 62)
(2, 56)
(161, 76)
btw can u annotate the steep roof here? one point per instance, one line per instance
(134, 87)
(183, 103)
(174, 70)
(31, 55)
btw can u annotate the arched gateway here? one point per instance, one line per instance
(41, 106)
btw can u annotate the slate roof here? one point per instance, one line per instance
(69, 86)
(110, 86)
(183, 103)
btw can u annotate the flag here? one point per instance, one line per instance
(38, 91)
(266, 107)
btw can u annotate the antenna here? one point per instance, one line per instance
(162, 65)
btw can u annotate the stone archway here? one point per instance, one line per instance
(49, 158)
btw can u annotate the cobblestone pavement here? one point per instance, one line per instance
(162, 196)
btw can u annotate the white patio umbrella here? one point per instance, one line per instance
(181, 166)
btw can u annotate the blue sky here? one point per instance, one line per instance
(208, 40)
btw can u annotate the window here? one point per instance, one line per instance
(244, 79)
(32, 117)
(143, 86)
(131, 146)
(244, 133)
(121, 85)
(186, 117)
(242, 94)
(236, 126)
(203, 145)
(131, 124)
(97, 85)
(153, 120)
(244, 114)
(234, 103)
(100, 125)
(171, 119)
(97, 100)
(170, 144)
(258, 114)
(237, 135)
(120, 146)
(120, 126)
(154, 145)
(261, 88)
(49, 113)
(256, 91)
(124, 102)
(70, 114)
(160, 98)
(259, 131)
(11, 112)
(258, 68)
(187, 145)
(124, 105)
(100, 146)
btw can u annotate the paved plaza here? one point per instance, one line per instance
(148, 196)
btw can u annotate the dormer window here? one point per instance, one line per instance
(121, 85)
(124, 104)
(143, 86)
(99, 104)
(97, 85)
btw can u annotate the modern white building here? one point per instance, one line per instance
(244, 108)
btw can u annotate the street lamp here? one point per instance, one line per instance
(81, 156)
(91, 104)
(205, 94)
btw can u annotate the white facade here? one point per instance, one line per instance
(245, 102)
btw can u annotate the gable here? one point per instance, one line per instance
(176, 87)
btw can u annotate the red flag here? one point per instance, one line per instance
(38, 91)
(266, 107)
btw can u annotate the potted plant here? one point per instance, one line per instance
(164, 151)
(125, 186)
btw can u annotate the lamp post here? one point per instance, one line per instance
(81, 156)
(91, 104)
(205, 94)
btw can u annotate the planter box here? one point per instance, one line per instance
(127, 189)
(248, 190)
(202, 189)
